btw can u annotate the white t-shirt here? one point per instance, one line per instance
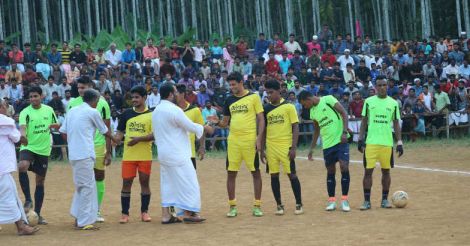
(9, 135)
(199, 53)
(115, 58)
(343, 61)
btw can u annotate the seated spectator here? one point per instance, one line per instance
(191, 96)
(153, 99)
(344, 101)
(167, 68)
(78, 56)
(297, 88)
(322, 91)
(56, 103)
(14, 73)
(67, 98)
(411, 99)
(336, 91)
(148, 70)
(362, 73)
(48, 89)
(117, 100)
(113, 57)
(351, 89)
(427, 98)
(62, 87)
(16, 56)
(72, 73)
(202, 96)
(128, 59)
(29, 76)
(200, 81)
(102, 84)
(349, 74)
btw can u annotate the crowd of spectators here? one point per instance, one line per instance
(427, 77)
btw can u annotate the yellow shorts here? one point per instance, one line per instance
(242, 150)
(100, 152)
(378, 153)
(279, 155)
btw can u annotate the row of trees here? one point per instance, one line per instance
(54, 20)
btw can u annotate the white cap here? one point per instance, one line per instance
(463, 33)
(416, 79)
(314, 37)
(347, 50)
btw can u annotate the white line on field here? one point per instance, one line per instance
(406, 166)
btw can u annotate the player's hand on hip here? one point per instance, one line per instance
(344, 138)
(360, 146)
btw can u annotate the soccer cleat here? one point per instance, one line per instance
(331, 206)
(28, 205)
(232, 212)
(124, 219)
(145, 217)
(99, 218)
(42, 221)
(365, 206)
(298, 209)
(385, 204)
(345, 206)
(280, 210)
(257, 212)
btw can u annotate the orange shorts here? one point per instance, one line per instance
(130, 168)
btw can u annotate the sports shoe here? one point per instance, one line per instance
(365, 206)
(331, 206)
(345, 206)
(173, 211)
(257, 211)
(385, 204)
(232, 212)
(124, 219)
(280, 210)
(28, 205)
(298, 209)
(42, 221)
(145, 217)
(99, 218)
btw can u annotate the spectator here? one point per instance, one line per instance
(78, 56)
(200, 81)
(199, 55)
(247, 66)
(292, 45)
(14, 73)
(345, 59)
(187, 54)
(114, 84)
(128, 59)
(351, 88)
(16, 56)
(113, 57)
(56, 103)
(154, 98)
(102, 84)
(441, 99)
(65, 56)
(261, 45)
(191, 96)
(29, 76)
(325, 37)
(313, 45)
(208, 111)
(427, 98)
(297, 62)
(4, 59)
(202, 96)
(148, 70)
(150, 52)
(259, 67)
(417, 86)
(272, 65)
(216, 51)
(329, 57)
(356, 105)
(237, 66)
(349, 74)
(117, 100)
(336, 91)
(464, 70)
(297, 88)
(304, 76)
(344, 101)
(4, 89)
(49, 88)
(362, 73)
(411, 99)
(16, 92)
(167, 68)
(72, 73)
(241, 47)
(126, 82)
(67, 98)
(63, 87)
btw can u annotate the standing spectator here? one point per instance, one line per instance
(128, 59)
(441, 99)
(199, 55)
(325, 36)
(67, 98)
(261, 45)
(176, 53)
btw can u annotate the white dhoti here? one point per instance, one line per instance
(85, 199)
(11, 208)
(355, 127)
(179, 186)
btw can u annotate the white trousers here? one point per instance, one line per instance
(11, 208)
(180, 187)
(85, 199)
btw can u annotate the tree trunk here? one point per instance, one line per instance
(111, 15)
(386, 19)
(183, 13)
(209, 17)
(317, 9)
(290, 26)
(259, 28)
(70, 19)
(149, 17)
(357, 14)
(424, 24)
(134, 20)
(160, 17)
(230, 22)
(430, 19)
(194, 18)
(466, 17)
(459, 18)
(219, 17)
(2, 28)
(63, 21)
(268, 16)
(302, 27)
(97, 16)
(351, 20)
(123, 13)
(169, 19)
(45, 20)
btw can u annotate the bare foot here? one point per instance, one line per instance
(26, 230)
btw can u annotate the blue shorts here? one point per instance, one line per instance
(336, 153)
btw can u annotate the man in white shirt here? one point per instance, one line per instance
(80, 126)
(49, 88)
(464, 70)
(292, 45)
(345, 59)
(113, 57)
(4, 89)
(199, 54)
(11, 208)
(179, 184)
(63, 87)
(154, 98)
(67, 98)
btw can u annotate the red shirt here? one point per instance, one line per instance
(16, 57)
(272, 67)
(355, 108)
(191, 98)
(330, 58)
(446, 88)
(241, 48)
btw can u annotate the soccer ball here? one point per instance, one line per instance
(400, 199)
(32, 218)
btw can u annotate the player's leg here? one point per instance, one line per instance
(193, 160)
(145, 195)
(343, 156)
(99, 169)
(25, 161)
(250, 156)
(273, 167)
(295, 184)
(330, 155)
(128, 172)
(370, 158)
(233, 162)
(39, 167)
(386, 162)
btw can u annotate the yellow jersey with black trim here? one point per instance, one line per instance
(136, 124)
(279, 119)
(195, 115)
(242, 111)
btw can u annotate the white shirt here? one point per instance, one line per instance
(48, 89)
(199, 53)
(343, 61)
(464, 71)
(171, 128)
(153, 100)
(61, 89)
(80, 126)
(450, 70)
(292, 47)
(5, 92)
(9, 135)
(440, 48)
(115, 58)
(65, 102)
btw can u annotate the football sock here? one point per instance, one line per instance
(384, 195)
(38, 198)
(100, 186)
(345, 183)
(24, 183)
(232, 203)
(145, 200)
(276, 187)
(367, 195)
(257, 203)
(331, 184)
(125, 202)
(295, 183)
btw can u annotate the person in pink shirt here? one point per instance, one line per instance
(151, 52)
(16, 56)
(313, 45)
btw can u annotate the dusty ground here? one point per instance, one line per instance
(438, 211)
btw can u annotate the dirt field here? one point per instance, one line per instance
(437, 214)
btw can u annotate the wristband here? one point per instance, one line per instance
(399, 142)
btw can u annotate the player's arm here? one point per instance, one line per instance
(263, 148)
(316, 134)
(118, 137)
(202, 147)
(397, 129)
(362, 132)
(261, 128)
(344, 115)
(219, 123)
(295, 139)
(23, 138)
(135, 140)
(108, 138)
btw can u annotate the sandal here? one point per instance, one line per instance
(193, 220)
(88, 228)
(172, 220)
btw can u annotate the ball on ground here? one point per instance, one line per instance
(32, 218)
(400, 199)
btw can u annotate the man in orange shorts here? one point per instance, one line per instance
(134, 123)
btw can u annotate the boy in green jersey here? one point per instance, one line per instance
(35, 123)
(378, 114)
(102, 144)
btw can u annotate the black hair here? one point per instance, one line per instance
(50, 77)
(181, 88)
(91, 96)
(235, 76)
(84, 80)
(304, 95)
(139, 90)
(381, 77)
(272, 84)
(55, 93)
(36, 89)
(166, 89)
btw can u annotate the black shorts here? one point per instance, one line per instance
(336, 153)
(193, 160)
(38, 163)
